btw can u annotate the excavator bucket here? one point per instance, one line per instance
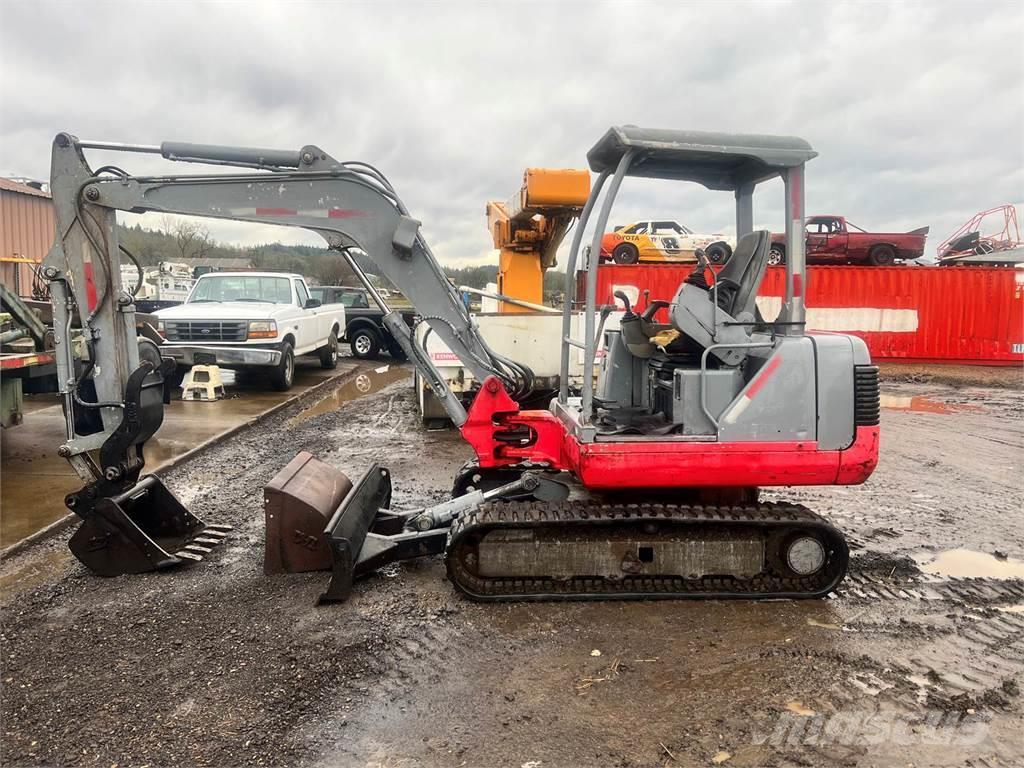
(143, 529)
(298, 502)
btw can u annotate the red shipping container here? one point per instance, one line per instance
(972, 315)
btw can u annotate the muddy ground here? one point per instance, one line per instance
(219, 665)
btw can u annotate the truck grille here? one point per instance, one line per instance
(205, 331)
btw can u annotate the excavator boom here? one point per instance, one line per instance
(350, 204)
(115, 404)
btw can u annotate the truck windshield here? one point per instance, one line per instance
(275, 290)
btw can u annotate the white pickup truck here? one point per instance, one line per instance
(251, 320)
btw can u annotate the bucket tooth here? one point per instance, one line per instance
(198, 549)
(208, 540)
(214, 528)
(184, 554)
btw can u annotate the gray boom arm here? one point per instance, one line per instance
(350, 204)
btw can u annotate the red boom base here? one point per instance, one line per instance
(502, 435)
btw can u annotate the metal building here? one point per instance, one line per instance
(27, 228)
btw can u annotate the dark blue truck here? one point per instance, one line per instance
(364, 329)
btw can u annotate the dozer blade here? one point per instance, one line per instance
(143, 529)
(347, 529)
(363, 535)
(318, 520)
(298, 502)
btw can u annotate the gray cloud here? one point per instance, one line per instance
(917, 109)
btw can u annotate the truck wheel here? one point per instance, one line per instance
(718, 253)
(776, 256)
(882, 255)
(329, 353)
(365, 344)
(283, 374)
(625, 253)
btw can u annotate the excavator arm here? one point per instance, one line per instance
(350, 204)
(114, 403)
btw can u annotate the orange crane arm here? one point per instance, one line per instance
(528, 228)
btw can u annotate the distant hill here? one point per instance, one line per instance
(317, 264)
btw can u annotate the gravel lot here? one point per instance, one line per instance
(219, 665)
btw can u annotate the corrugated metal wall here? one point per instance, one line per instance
(27, 227)
(969, 315)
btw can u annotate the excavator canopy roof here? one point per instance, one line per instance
(723, 161)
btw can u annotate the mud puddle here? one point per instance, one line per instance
(362, 384)
(969, 564)
(925, 404)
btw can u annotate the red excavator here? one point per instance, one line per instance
(641, 483)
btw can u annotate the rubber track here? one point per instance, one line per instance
(772, 517)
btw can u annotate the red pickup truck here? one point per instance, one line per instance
(834, 240)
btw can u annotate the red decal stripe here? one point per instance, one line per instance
(338, 213)
(275, 212)
(90, 286)
(763, 376)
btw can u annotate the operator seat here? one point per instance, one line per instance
(740, 278)
(731, 322)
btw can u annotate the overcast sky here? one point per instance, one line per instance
(916, 109)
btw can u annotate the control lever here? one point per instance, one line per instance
(621, 296)
(698, 277)
(652, 309)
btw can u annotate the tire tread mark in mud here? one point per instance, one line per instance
(971, 661)
(867, 587)
(412, 659)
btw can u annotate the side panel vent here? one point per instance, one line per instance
(865, 393)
